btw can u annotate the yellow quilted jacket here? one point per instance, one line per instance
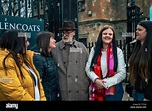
(12, 86)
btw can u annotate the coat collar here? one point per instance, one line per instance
(62, 45)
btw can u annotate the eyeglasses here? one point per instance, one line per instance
(67, 32)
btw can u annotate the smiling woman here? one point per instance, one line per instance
(46, 65)
(140, 62)
(106, 68)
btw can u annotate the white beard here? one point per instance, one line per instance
(67, 39)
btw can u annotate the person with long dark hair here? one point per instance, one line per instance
(46, 65)
(19, 79)
(106, 68)
(140, 62)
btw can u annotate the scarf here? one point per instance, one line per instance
(99, 94)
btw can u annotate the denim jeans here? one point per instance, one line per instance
(137, 96)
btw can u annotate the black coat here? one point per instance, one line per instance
(49, 75)
(148, 92)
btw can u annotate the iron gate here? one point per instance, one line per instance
(51, 12)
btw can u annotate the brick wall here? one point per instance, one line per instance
(100, 12)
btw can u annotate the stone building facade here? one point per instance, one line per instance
(96, 13)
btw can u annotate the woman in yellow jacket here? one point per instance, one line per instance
(19, 79)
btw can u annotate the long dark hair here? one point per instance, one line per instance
(99, 46)
(140, 60)
(14, 42)
(43, 41)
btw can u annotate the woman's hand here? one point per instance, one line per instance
(100, 84)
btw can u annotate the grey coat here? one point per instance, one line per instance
(71, 61)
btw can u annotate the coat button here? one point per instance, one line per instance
(77, 91)
(69, 91)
